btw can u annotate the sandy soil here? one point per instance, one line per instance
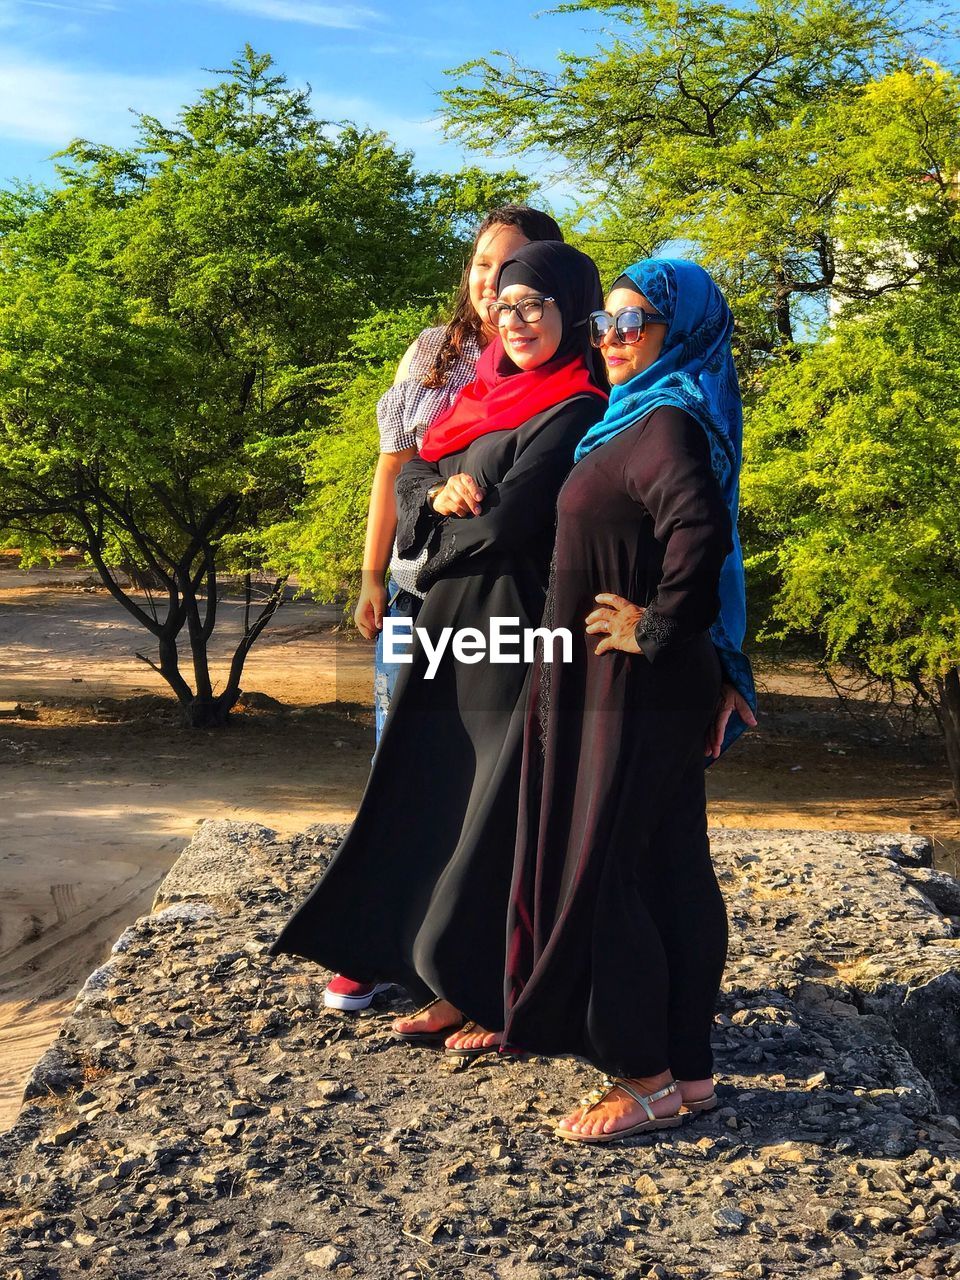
(101, 785)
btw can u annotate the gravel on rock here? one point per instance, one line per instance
(203, 1115)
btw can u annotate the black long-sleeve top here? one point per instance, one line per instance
(520, 471)
(643, 516)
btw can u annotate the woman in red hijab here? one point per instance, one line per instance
(417, 894)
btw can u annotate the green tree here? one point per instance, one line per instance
(324, 542)
(169, 318)
(802, 150)
(853, 476)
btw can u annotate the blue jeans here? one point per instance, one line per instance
(400, 604)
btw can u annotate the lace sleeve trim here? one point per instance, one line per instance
(439, 560)
(655, 632)
(415, 521)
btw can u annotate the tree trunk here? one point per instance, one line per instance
(781, 305)
(205, 709)
(182, 583)
(142, 579)
(199, 636)
(251, 630)
(209, 712)
(202, 709)
(948, 713)
(170, 669)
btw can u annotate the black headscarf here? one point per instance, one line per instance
(503, 396)
(569, 277)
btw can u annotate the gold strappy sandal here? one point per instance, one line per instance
(701, 1104)
(648, 1125)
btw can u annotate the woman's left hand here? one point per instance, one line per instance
(730, 701)
(616, 622)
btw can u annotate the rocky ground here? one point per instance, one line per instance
(202, 1115)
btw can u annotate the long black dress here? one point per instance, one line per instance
(417, 893)
(617, 931)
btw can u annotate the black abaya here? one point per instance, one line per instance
(617, 930)
(417, 893)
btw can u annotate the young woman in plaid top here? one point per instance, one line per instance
(434, 369)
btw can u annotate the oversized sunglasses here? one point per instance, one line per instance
(628, 325)
(529, 309)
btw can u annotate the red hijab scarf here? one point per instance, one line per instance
(503, 397)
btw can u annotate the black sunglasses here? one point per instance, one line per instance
(628, 324)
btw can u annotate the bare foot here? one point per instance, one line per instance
(434, 1018)
(470, 1036)
(619, 1111)
(695, 1090)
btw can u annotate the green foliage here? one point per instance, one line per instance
(808, 155)
(173, 321)
(325, 543)
(853, 476)
(798, 150)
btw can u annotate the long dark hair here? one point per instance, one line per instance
(465, 324)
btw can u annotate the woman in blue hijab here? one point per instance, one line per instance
(617, 932)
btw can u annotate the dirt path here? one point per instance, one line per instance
(101, 786)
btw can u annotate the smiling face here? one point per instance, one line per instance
(530, 345)
(495, 246)
(625, 360)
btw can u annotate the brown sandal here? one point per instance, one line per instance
(428, 1037)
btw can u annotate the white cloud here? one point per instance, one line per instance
(342, 17)
(420, 48)
(33, 17)
(92, 6)
(48, 103)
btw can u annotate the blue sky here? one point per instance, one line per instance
(75, 68)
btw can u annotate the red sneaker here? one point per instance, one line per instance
(349, 996)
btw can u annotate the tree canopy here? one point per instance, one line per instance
(802, 151)
(169, 316)
(808, 154)
(324, 539)
(853, 477)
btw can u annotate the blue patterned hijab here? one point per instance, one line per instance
(694, 372)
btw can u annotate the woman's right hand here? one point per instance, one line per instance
(370, 609)
(460, 496)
